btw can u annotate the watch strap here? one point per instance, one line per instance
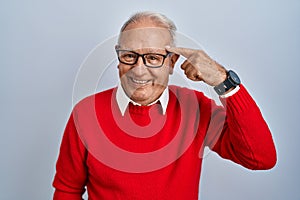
(223, 87)
(227, 84)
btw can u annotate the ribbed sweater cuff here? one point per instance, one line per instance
(239, 102)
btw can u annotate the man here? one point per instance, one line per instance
(144, 139)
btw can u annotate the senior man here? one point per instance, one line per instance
(144, 139)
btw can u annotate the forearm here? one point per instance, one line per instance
(246, 138)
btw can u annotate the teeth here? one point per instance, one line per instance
(139, 81)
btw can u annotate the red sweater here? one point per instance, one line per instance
(147, 155)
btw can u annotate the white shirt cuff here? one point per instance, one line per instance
(232, 92)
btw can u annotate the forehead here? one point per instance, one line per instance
(145, 38)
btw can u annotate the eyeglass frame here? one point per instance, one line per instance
(142, 55)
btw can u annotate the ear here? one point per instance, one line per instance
(173, 59)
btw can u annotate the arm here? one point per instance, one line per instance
(71, 173)
(244, 136)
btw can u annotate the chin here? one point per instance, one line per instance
(139, 97)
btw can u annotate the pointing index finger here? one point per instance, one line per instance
(180, 51)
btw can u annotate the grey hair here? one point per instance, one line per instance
(155, 17)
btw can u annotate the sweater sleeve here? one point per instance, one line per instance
(71, 173)
(244, 137)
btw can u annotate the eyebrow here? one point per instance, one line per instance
(149, 50)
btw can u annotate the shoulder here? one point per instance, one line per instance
(100, 97)
(187, 93)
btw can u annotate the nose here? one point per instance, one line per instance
(139, 68)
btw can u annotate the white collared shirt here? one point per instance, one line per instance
(123, 100)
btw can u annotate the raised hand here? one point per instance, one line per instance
(198, 66)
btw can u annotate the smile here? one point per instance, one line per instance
(141, 82)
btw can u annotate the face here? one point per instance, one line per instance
(141, 83)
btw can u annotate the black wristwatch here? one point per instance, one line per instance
(231, 81)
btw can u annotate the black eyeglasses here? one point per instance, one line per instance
(152, 60)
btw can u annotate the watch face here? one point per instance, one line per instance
(234, 77)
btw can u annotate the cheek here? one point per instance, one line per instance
(162, 78)
(123, 70)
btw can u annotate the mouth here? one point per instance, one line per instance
(139, 81)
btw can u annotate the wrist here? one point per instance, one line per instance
(221, 75)
(231, 81)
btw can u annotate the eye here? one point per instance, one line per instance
(153, 57)
(128, 56)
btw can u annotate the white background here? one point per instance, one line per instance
(43, 43)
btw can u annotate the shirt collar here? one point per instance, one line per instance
(123, 100)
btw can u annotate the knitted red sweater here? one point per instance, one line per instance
(147, 155)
